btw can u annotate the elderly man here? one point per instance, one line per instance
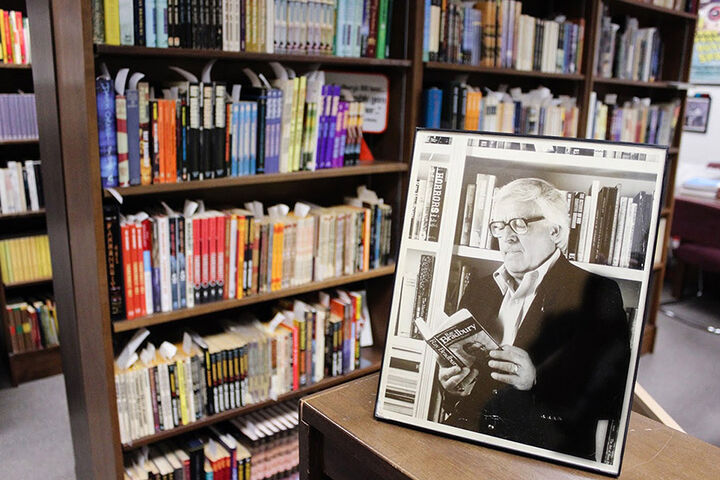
(564, 335)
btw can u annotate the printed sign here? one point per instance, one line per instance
(371, 89)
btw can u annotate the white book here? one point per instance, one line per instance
(4, 200)
(120, 401)
(189, 262)
(476, 231)
(619, 237)
(189, 397)
(419, 208)
(467, 214)
(32, 185)
(413, 207)
(629, 233)
(320, 319)
(407, 301)
(487, 210)
(164, 257)
(426, 205)
(147, 402)
(594, 190)
(18, 186)
(165, 396)
(231, 281)
(592, 116)
(127, 23)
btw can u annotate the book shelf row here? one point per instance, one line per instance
(255, 445)
(21, 190)
(210, 130)
(25, 259)
(350, 28)
(169, 261)
(14, 38)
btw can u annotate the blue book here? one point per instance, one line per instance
(157, 305)
(245, 135)
(252, 164)
(432, 104)
(107, 135)
(161, 23)
(234, 147)
(150, 24)
(133, 135)
(181, 263)
(322, 127)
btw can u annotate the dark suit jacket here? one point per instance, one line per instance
(577, 335)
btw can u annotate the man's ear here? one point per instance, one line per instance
(555, 231)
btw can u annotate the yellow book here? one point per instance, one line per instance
(293, 123)
(21, 259)
(48, 261)
(300, 112)
(2, 37)
(180, 374)
(111, 9)
(4, 272)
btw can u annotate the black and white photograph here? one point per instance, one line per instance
(517, 323)
(697, 113)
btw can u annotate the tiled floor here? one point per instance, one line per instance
(683, 375)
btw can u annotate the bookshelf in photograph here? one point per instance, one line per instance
(28, 320)
(311, 138)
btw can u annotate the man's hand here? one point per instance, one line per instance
(514, 366)
(451, 379)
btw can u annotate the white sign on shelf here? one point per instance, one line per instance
(370, 88)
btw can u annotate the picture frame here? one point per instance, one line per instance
(516, 321)
(697, 113)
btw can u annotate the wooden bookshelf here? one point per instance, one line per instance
(508, 72)
(22, 367)
(131, 51)
(224, 305)
(370, 361)
(24, 141)
(22, 215)
(66, 64)
(14, 66)
(30, 283)
(668, 12)
(374, 168)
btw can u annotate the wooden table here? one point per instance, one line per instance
(340, 439)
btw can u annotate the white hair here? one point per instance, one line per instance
(551, 202)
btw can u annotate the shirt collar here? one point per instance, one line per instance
(530, 281)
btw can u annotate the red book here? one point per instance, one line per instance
(220, 248)
(140, 307)
(127, 271)
(211, 241)
(122, 142)
(205, 259)
(171, 135)
(295, 354)
(8, 57)
(196, 261)
(136, 281)
(21, 36)
(146, 264)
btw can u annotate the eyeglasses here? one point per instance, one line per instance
(518, 225)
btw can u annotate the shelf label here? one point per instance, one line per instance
(370, 88)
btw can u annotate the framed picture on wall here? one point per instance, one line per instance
(520, 292)
(697, 113)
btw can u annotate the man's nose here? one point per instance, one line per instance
(508, 235)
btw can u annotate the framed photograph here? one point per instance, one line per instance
(520, 292)
(697, 113)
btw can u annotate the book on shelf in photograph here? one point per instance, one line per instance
(637, 120)
(346, 28)
(206, 129)
(18, 120)
(459, 106)
(248, 361)
(31, 324)
(165, 260)
(606, 227)
(626, 51)
(264, 443)
(21, 188)
(496, 33)
(24, 259)
(14, 38)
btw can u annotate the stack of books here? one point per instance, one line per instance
(630, 52)
(264, 443)
(167, 260)
(496, 33)
(637, 121)
(249, 362)
(459, 106)
(14, 38)
(348, 28)
(18, 120)
(210, 130)
(32, 325)
(21, 187)
(25, 259)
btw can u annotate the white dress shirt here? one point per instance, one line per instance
(516, 302)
